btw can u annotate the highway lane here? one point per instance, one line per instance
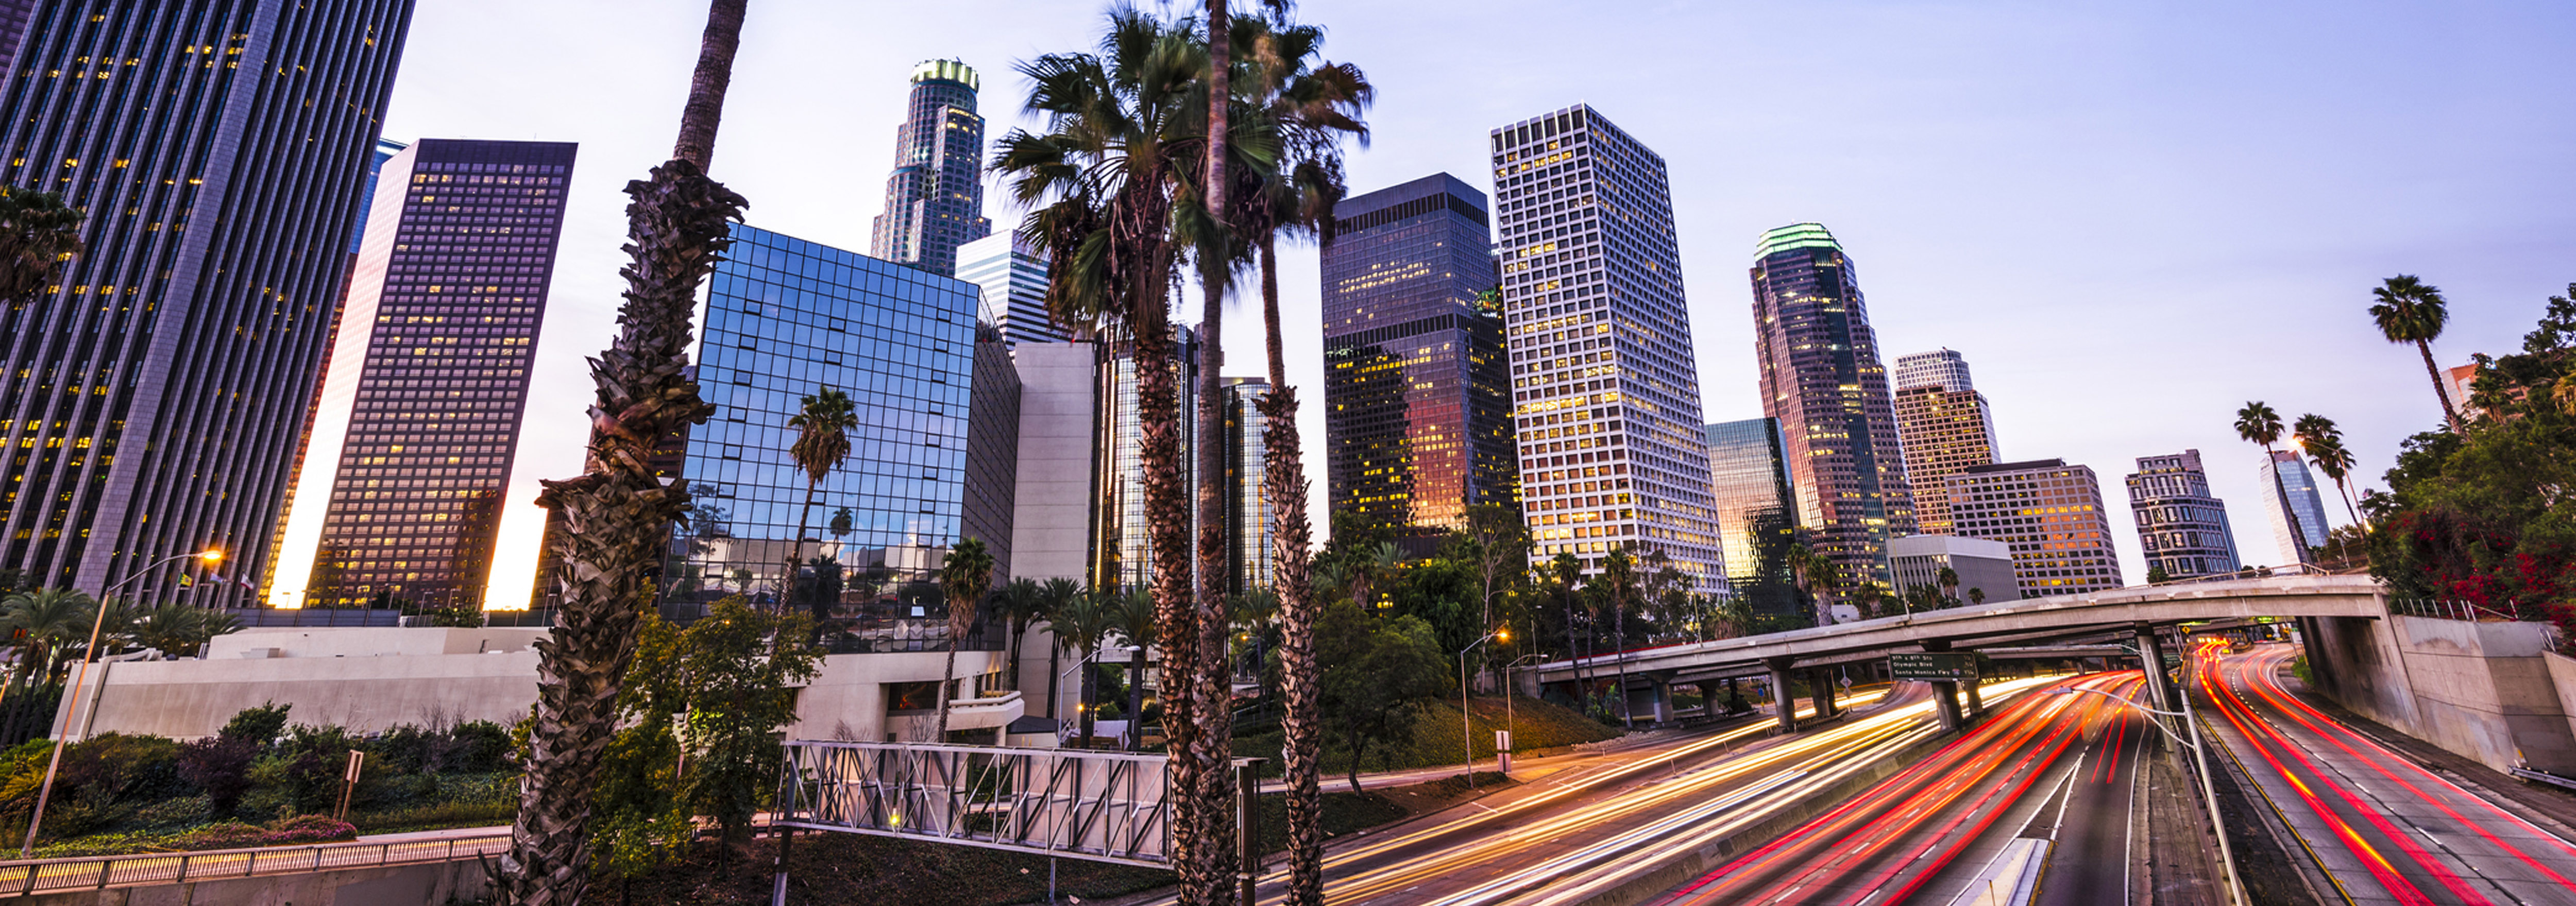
(2383, 829)
(2039, 766)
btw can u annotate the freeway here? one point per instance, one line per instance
(2044, 788)
(2381, 828)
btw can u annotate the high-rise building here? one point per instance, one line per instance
(1757, 513)
(1011, 269)
(1122, 538)
(13, 31)
(934, 201)
(2297, 511)
(2182, 527)
(1822, 379)
(1247, 504)
(2051, 515)
(1417, 397)
(1945, 425)
(1053, 505)
(938, 421)
(157, 395)
(419, 419)
(1613, 451)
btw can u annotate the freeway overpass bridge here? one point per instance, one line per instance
(2137, 611)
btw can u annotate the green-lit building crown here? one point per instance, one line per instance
(1795, 236)
(947, 71)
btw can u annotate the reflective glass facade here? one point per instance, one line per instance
(439, 332)
(2297, 510)
(934, 200)
(1606, 390)
(2051, 515)
(1248, 517)
(1417, 423)
(153, 401)
(786, 318)
(1757, 512)
(1822, 379)
(1122, 554)
(2183, 528)
(1012, 272)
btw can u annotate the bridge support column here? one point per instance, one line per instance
(1945, 699)
(1654, 698)
(1976, 700)
(1733, 695)
(1820, 689)
(2151, 652)
(1788, 716)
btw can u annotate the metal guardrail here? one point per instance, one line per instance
(1078, 803)
(2447, 610)
(20, 878)
(2545, 777)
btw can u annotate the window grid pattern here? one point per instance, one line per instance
(935, 197)
(1757, 512)
(1943, 430)
(1123, 545)
(2051, 515)
(2182, 527)
(1251, 525)
(2297, 509)
(1011, 270)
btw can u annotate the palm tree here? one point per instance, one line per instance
(44, 622)
(822, 429)
(38, 235)
(1976, 596)
(2259, 424)
(2323, 442)
(1121, 129)
(1566, 573)
(2412, 311)
(1054, 597)
(963, 577)
(1136, 619)
(619, 513)
(1949, 581)
(1080, 621)
(1018, 601)
(1619, 578)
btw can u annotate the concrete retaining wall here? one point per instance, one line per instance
(2482, 690)
(423, 885)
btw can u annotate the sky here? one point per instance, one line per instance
(2130, 218)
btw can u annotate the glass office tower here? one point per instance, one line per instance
(1417, 409)
(1757, 513)
(1945, 425)
(934, 200)
(1247, 503)
(2297, 510)
(417, 427)
(1122, 548)
(1822, 379)
(1011, 269)
(155, 397)
(786, 318)
(2183, 528)
(1613, 451)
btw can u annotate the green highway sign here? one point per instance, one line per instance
(1932, 665)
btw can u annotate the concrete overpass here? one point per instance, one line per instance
(2135, 612)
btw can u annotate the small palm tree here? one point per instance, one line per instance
(1080, 623)
(1976, 596)
(1019, 602)
(963, 577)
(1134, 618)
(2412, 311)
(1949, 581)
(39, 234)
(822, 427)
(1619, 579)
(1566, 576)
(2256, 422)
(2318, 437)
(44, 623)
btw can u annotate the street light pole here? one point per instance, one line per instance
(1466, 718)
(80, 679)
(2200, 758)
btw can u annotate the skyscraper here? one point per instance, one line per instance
(937, 401)
(2298, 513)
(1945, 425)
(1247, 504)
(1822, 379)
(1612, 447)
(2051, 515)
(419, 421)
(1012, 271)
(1122, 542)
(157, 396)
(934, 201)
(1417, 400)
(2182, 527)
(1757, 513)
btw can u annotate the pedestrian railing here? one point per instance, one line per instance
(26, 877)
(2447, 610)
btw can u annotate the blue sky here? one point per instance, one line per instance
(2131, 218)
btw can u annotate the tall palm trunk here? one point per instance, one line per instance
(1283, 481)
(2450, 413)
(1168, 525)
(617, 514)
(947, 674)
(1207, 880)
(1136, 695)
(796, 555)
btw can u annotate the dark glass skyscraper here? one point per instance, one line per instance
(934, 201)
(1822, 379)
(153, 402)
(1247, 505)
(419, 422)
(1417, 393)
(1613, 451)
(1757, 513)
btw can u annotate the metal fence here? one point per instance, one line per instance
(25, 877)
(2448, 610)
(1102, 806)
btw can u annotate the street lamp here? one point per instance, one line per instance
(1466, 728)
(211, 556)
(2200, 758)
(1510, 724)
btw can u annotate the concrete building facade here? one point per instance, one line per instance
(2050, 514)
(1011, 269)
(934, 200)
(2181, 526)
(1984, 566)
(1822, 379)
(157, 393)
(418, 420)
(1945, 425)
(1613, 452)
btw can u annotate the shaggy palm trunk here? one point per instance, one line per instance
(1209, 879)
(1283, 481)
(1158, 418)
(796, 557)
(616, 516)
(2450, 413)
(948, 674)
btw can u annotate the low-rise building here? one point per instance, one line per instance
(1984, 567)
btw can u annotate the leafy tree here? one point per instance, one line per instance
(964, 577)
(736, 673)
(1376, 673)
(2156, 574)
(2412, 311)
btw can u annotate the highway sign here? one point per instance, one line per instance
(1932, 665)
